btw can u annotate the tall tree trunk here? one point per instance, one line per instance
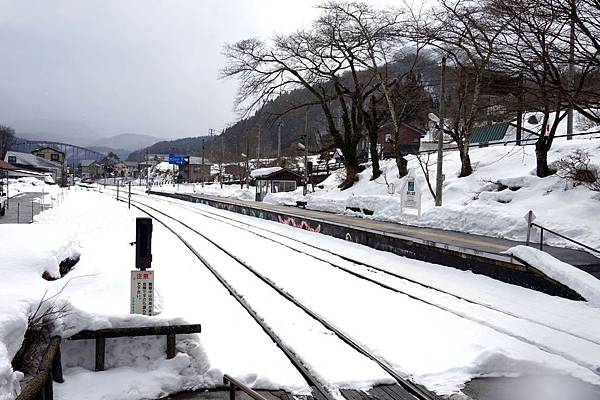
(373, 136)
(352, 166)
(465, 161)
(541, 157)
(401, 162)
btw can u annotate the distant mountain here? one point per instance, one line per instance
(126, 141)
(55, 130)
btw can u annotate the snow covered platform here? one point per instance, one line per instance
(480, 254)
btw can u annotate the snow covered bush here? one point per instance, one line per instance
(576, 168)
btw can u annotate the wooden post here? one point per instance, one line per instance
(170, 346)
(100, 346)
(57, 374)
(231, 391)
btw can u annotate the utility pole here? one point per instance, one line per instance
(247, 165)
(258, 147)
(439, 176)
(279, 142)
(520, 110)
(147, 173)
(571, 72)
(202, 162)
(222, 158)
(304, 190)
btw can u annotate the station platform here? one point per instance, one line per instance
(480, 254)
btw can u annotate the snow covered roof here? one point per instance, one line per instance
(33, 160)
(198, 161)
(260, 172)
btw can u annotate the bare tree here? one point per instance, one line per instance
(323, 61)
(532, 45)
(7, 137)
(467, 33)
(384, 34)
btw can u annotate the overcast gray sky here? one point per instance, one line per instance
(117, 66)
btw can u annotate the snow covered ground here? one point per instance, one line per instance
(433, 338)
(51, 192)
(474, 204)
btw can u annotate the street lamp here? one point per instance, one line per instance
(303, 147)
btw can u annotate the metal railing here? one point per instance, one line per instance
(542, 229)
(234, 383)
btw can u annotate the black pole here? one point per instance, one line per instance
(520, 111)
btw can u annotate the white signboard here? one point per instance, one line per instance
(411, 194)
(142, 292)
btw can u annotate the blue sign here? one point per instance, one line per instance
(177, 159)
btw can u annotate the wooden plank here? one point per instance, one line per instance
(137, 331)
(379, 394)
(171, 346)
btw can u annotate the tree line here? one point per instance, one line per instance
(502, 55)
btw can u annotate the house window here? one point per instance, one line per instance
(388, 137)
(54, 157)
(12, 159)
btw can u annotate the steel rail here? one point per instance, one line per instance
(410, 387)
(378, 269)
(290, 354)
(594, 369)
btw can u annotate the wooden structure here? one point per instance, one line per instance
(101, 335)
(50, 153)
(410, 139)
(195, 170)
(50, 368)
(275, 180)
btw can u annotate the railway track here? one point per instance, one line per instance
(320, 389)
(266, 234)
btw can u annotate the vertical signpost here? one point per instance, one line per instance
(142, 280)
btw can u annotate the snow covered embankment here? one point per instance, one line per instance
(581, 282)
(95, 295)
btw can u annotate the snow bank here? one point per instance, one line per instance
(33, 185)
(96, 295)
(580, 281)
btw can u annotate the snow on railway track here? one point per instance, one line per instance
(556, 343)
(310, 347)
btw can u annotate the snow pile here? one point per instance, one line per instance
(492, 201)
(95, 295)
(257, 173)
(580, 281)
(163, 167)
(31, 185)
(214, 189)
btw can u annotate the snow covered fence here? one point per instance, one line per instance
(101, 335)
